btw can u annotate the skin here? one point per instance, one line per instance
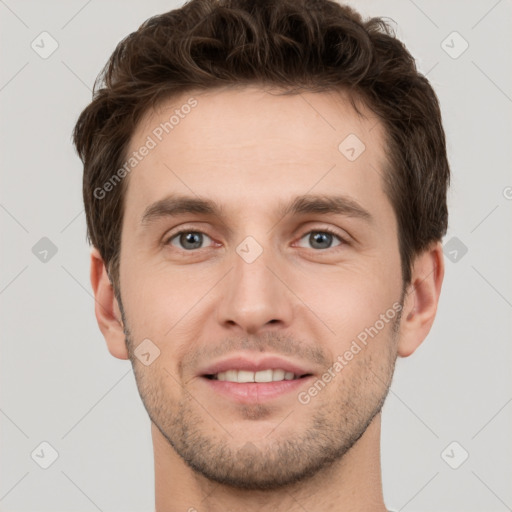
(250, 149)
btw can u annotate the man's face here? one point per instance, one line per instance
(250, 288)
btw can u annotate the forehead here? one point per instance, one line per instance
(250, 145)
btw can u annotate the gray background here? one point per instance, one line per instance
(58, 382)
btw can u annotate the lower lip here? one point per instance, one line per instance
(255, 392)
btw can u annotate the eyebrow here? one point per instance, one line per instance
(174, 205)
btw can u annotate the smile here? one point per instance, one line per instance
(244, 376)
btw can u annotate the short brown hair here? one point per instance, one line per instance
(297, 45)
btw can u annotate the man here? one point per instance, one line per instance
(265, 191)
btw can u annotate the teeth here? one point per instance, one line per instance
(264, 376)
(261, 376)
(244, 376)
(231, 375)
(278, 374)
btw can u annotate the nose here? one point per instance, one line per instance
(255, 296)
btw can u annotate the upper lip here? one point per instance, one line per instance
(254, 363)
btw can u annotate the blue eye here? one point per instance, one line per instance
(188, 240)
(322, 239)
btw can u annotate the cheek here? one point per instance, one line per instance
(159, 301)
(353, 299)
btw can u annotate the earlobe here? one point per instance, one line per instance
(106, 307)
(421, 299)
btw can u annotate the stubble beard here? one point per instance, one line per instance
(293, 452)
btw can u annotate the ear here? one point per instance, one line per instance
(106, 309)
(421, 299)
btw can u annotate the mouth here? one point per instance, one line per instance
(252, 378)
(248, 387)
(261, 376)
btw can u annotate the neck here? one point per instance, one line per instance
(351, 484)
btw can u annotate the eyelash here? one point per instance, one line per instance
(320, 230)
